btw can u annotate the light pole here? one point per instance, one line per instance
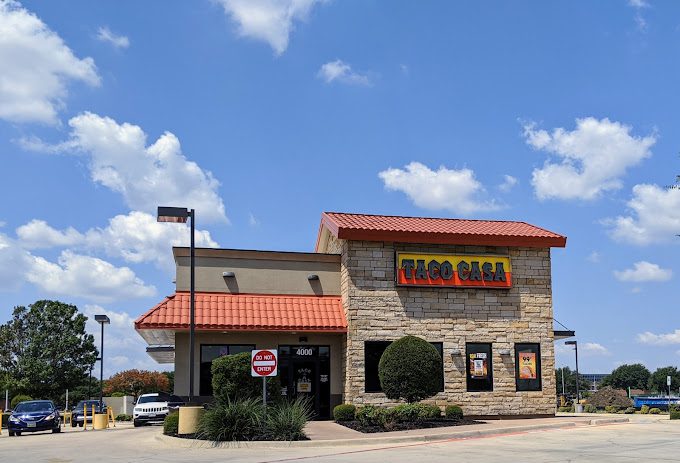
(102, 320)
(181, 215)
(578, 392)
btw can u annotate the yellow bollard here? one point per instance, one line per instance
(68, 418)
(85, 417)
(109, 415)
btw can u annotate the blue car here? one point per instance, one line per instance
(34, 415)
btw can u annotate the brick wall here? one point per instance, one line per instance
(378, 310)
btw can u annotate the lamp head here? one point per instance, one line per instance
(172, 214)
(103, 319)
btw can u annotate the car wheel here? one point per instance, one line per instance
(80, 424)
(11, 433)
(17, 433)
(73, 424)
(137, 424)
(56, 430)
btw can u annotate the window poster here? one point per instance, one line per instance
(479, 367)
(527, 365)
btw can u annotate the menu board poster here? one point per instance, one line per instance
(527, 365)
(479, 366)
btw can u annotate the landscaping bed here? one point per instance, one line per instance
(406, 426)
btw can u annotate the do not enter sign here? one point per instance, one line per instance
(263, 362)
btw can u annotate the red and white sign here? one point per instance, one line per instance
(263, 362)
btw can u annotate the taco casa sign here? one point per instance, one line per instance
(453, 270)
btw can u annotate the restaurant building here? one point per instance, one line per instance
(479, 291)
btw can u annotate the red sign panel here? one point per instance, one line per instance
(263, 362)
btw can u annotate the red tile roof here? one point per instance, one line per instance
(248, 312)
(366, 227)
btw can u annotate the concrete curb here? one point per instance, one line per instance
(193, 444)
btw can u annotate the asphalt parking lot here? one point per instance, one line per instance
(649, 440)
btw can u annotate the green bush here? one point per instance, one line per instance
(238, 420)
(371, 415)
(232, 380)
(428, 412)
(453, 412)
(675, 414)
(123, 417)
(567, 409)
(411, 413)
(19, 398)
(590, 408)
(644, 409)
(611, 409)
(629, 411)
(410, 369)
(286, 420)
(170, 424)
(654, 411)
(344, 412)
(610, 396)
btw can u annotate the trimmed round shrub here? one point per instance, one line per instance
(19, 398)
(566, 409)
(453, 412)
(654, 411)
(411, 413)
(610, 396)
(370, 415)
(170, 424)
(123, 417)
(232, 380)
(629, 411)
(644, 409)
(675, 414)
(410, 369)
(589, 408)
(428, 412)
(344, 412)
(611, 409)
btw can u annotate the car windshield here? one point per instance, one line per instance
(152, 398)
(29, 407)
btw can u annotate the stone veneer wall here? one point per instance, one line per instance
(378, 310)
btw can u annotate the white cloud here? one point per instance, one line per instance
(136, 237)
(594, 157)
(593, 348)
(104, 34)
(14, 262)
(36, 67)
(146, 176)
(638, 3)
(659, 339)
(644, 272)
(271, 21)
(252, 220)
(38, 234)
(455, 190)
(123, 347)
(508, 184)
(654, 216)
(87, 277)
(594, 257)
(342, 72)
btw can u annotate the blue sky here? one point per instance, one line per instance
(264, 114)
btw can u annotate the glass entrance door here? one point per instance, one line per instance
(305, 372)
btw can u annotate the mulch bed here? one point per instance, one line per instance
(357, 426)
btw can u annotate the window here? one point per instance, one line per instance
(479, 367)
(373, 350)
(210, 352)
(528, 367)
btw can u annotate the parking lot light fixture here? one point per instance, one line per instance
(181, 215)
(578, 392)
(102, 320)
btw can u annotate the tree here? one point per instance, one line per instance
(136, 382)
(171, 381)
(232, 380)
(635, 376)
(45, 350)
(570, 381)
(610, 396)
(657, 381)
(410, 369)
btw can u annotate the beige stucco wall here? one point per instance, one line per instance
(261, 341)
(261, 272)
(378, 310)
